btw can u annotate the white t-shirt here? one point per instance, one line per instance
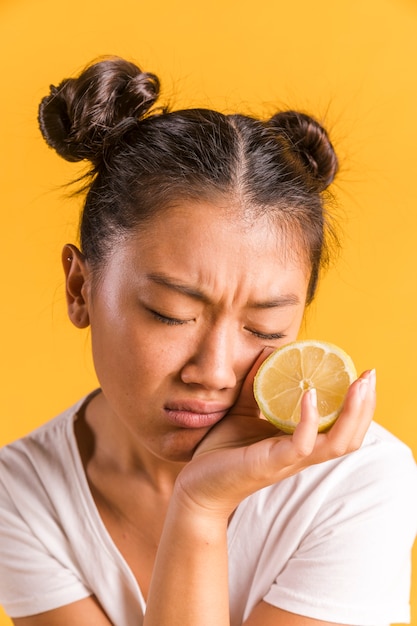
(332, 543)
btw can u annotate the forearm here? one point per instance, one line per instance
(190, 579)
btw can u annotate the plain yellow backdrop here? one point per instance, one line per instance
(350, 62)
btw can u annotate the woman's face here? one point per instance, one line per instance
(179, 316)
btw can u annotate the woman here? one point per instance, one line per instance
(162, 498)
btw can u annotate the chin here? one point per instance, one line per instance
(180, 447)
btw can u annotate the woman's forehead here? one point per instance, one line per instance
(227, 219)
(202, 248)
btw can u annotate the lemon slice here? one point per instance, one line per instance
(291, 370)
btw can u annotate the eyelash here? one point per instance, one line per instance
(267, 336)
(172, 321)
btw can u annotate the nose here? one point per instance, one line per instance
(216, 360)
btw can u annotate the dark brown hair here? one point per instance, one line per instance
(143, 158)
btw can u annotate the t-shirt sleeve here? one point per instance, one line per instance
(353, 565)
(33, 579)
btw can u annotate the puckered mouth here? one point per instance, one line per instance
(195, 414)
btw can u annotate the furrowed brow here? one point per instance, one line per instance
(173, 284)
(178, 286)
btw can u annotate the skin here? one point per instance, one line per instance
(181, 317)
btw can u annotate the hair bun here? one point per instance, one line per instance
(312, 144)
(80, 116)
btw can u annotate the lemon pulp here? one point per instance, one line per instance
(291, 370)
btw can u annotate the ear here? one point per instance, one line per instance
(76, 283)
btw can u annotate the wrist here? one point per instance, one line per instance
(197, 510)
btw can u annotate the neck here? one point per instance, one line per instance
(104, 443)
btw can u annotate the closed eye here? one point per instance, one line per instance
(173, 321)
(170, 321)
(267, 336)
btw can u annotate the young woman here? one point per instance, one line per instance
(164, 498)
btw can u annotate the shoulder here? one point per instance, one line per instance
(41, 499)
(366, 493)
(374, 486)
(335, 536)
(41, 446)
(383, 466)
(37, 466)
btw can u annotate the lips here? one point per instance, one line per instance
(195, 414)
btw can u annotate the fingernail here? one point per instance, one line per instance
(363, 387)
(372, 379)
(313, 397)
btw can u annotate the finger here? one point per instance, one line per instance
(350, 428)
(361, 401)
(305, 435)
(297, 451)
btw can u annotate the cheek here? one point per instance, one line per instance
(136, 351)
(298, 320)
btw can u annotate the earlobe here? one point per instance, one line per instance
(76, 272)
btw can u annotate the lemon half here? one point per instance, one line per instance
(291, 370)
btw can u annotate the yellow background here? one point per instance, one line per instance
(354, 61)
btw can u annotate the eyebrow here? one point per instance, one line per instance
(280, 301)
(178, 286)
(196, 293)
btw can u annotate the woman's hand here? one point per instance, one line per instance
(244, 452)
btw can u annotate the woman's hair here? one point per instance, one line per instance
(145, 158)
